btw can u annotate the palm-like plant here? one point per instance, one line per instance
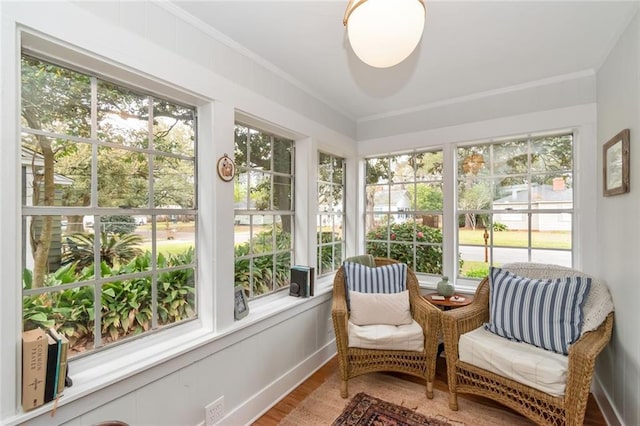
(113, 248)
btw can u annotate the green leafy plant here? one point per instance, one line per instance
(176, 289)
(113, 249)
(330, 255)
(477, 272)
(264, 279)
(126, 305)
(497, 226)
(428, 257)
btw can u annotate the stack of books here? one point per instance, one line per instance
(303, 279)
(44, 366)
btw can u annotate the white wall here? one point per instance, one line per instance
(618, 97)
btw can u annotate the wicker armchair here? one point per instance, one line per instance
(540, 407)
(353, 361)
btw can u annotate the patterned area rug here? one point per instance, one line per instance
(365, 410)
(324, 405)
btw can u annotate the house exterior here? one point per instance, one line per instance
(543, 197)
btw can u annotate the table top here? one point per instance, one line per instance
(449, 302)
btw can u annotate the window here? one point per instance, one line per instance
(263, 192)
(515, 202)
(108, 207)
(330, 224)
(404, 209)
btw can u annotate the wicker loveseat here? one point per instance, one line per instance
(354, 361)
(559, 408)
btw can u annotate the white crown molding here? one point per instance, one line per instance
(481, 95)
(177, 11)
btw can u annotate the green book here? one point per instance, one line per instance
(63, 344)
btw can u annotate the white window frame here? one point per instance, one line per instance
(412, 212)
(333, 214)
(252, 213)
(103, 368)
(528, 212)
(93, 210)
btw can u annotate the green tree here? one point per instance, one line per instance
(57, 101)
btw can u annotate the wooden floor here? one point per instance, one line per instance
(593, 416)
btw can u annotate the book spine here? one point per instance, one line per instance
(51, 382)
(63, 344)
(34, 368)
(64, 348)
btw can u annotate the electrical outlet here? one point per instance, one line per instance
(214, 412)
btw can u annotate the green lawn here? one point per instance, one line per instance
(555, 239)
(169, 247)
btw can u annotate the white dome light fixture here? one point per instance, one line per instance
(383, 33)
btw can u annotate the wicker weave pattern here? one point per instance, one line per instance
(356, 361)
(538, 406)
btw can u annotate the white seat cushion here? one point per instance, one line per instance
(524, 363)
(407, 337)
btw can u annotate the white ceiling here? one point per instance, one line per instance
(468, 47)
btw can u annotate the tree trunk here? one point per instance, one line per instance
(75, 224)
(41, 238)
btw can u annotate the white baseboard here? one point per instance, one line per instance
(609, 412)
(266, 398)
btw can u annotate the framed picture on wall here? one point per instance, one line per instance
(615, 164)
(240, 304)
(226, 168)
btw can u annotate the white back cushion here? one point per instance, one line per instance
(380, 308)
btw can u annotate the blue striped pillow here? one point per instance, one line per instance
(544, 313)
(382, 279)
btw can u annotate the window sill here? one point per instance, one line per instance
(135, 360)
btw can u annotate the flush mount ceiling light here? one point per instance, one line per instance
(383, 33)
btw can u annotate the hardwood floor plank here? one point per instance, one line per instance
(279, 411)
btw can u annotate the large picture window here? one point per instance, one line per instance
(330, 231)
(263, 191)
(108, 207)
(404, 209)
(515, 203)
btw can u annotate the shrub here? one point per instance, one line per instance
(118, 224)
(113, 249)
(329, 261)
(264, 280)
(477, 273)
(497, 226)
(428, 257)
(126, 305)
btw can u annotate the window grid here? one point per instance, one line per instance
(404, 209)
(264, 213)
(331, 207)
(82, 282)
(515, 203)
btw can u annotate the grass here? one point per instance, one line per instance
(169, 247)
(550, 239)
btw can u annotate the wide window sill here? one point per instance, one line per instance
(131, 360)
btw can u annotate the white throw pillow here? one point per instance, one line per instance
(380, 308)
